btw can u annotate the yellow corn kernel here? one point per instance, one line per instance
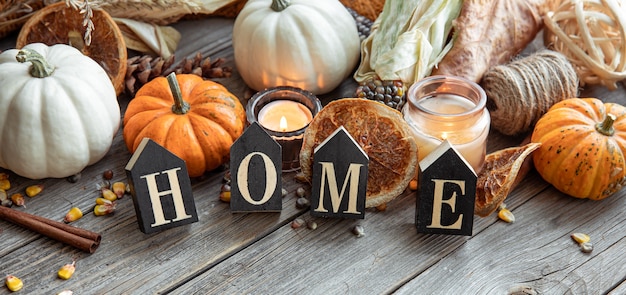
(18, 199)
(108, 194)
(225, 196)
(581, 238)
(66, 271)
(506, 215)
(34, 190)
(74, 214)
(5, 184)
(4, 199)
(14, 283)
(103, 201)
(119, 188)
(104, 209)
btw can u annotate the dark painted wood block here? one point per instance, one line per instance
(447, 192)
(160, 188)
(339, 184)
(255, 168)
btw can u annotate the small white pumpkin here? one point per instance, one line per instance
(309, 44)
(58, 111)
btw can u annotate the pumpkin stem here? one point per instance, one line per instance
(279, 5)
(40, 67)
(606, 127)
(180, 106)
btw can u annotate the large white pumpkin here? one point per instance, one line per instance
(57, 124)
(309, 44)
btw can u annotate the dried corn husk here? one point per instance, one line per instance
(407, 39)
(149, 38)
(592, 35)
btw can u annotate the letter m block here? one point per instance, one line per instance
(160, 187)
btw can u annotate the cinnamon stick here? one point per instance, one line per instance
(82, 239)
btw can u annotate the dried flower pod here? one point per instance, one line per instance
(73, 214)
(66, 271)
(13, 283)
(34, 190)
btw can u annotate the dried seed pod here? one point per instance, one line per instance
(14, 283)
(108, 194)
(119, 188)
(358, 231)
(312, 225)
(66, 271)
(506, 215)
(34, 190)
(73, 214)
(580, 238)
(586, 247)
(5, 184)
(18, 199)
(104, 209)
(107, 174)
(302, 203)
(300, 192)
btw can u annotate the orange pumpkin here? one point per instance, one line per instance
(197, 120)
(583, 147)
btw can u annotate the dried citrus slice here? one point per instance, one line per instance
(60, 24)
(502, 170)
(382, 133)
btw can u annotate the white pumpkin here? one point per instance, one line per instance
(57, 124)
(309, 44)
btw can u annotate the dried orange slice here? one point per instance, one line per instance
(60, 24)
(502, 171)
(382, 133)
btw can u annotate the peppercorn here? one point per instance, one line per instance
(107, 174)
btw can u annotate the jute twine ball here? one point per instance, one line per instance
(520, 92)
(592, 34)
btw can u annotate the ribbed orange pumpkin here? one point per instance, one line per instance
(583, 147)
(197, 120)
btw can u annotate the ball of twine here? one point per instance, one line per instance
(520, 92)
(592, 34)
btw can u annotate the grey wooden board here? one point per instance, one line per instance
(261, 252)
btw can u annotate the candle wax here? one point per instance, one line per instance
(293, 114)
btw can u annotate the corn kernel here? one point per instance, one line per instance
(108, 194)
(104, 209)
(5, 184)
(225, 196)
(119, 188)
(34, 190)
(4, 199)
(580, 238)
(14, 283)
(66, 271)
(506, 215)
(74, 214)
(18, 199)
(103, 201)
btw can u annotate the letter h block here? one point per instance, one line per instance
(340, 170)
(160, 188)
(446, 194)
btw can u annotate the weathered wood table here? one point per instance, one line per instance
(259, 253)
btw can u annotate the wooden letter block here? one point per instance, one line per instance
(256, 167)
(447, 191)
(160, 187)
(340, 169)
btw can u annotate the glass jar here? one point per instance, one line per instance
(295, 108)
(452, 108)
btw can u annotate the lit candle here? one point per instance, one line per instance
(284, 112)
(449, 108)
(284, 116)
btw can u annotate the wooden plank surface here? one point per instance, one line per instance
(225, 253)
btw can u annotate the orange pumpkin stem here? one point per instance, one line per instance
(40, 67)
(606, 127)
(180, 106)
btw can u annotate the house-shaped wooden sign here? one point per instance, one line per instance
(160, 188)
(340, 169)
(256, 167)
(446, 195)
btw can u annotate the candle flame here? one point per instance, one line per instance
(283, 124)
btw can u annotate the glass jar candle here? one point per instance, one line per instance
(452, 108)
(284, 113)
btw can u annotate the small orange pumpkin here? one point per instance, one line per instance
(197, 120)
(583, 147)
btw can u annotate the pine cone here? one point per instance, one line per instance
(142, 69)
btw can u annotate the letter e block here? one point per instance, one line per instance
(255, 169)
(447, 192)
(160, 188)
(340, 169)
